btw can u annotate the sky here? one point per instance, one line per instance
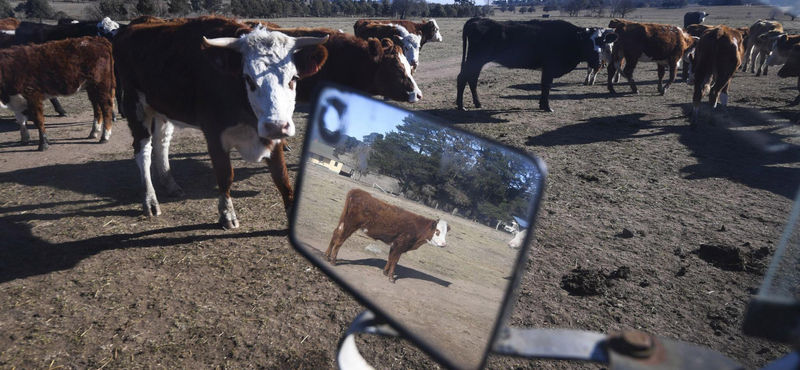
(364, 115)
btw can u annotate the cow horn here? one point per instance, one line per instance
(222, 42)
(302, 42)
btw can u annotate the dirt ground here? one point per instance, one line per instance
(87, 282)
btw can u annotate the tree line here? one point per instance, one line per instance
(447, 170)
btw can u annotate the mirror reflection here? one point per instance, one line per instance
(425, 221)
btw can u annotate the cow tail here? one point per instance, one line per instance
(463, 46)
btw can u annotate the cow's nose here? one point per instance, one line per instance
(287, 129)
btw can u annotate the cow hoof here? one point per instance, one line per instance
(43, 147)
(333, 262)
(478, 106)
(758, 74)
(392, 279)
(103, 140)
(229, 224)
(547, 109)
(151, 210)
(64, 114)
(93, 135)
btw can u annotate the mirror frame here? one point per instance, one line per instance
(510, 295)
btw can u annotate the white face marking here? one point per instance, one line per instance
(246, 141)
(270, 69)
(439, 234)
(412, 95)
(410, 43)
(437, 36)
(106, 26)
(516, 243)
(595, 35)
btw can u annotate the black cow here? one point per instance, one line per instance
(693, 18)
(39, 33)
(555, 47)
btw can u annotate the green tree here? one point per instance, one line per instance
(181, 8)
(512, 9)
(5, 9)
(38, 9)
(386, 8)
(197, 5)
(522, 10)
(212, 6)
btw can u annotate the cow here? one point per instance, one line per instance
(792, 68)
(605, 58)
(374, 66)
(666, 45)
(718, 54)
(410, 42)
(555, 47)
(32, 73)
(783, 44)
(757, 47)
(9, 24)
(37, 33)
(694, 30)
(429, 30)
(235, 84)
(693, 18)
(516, 242)
(402, 230)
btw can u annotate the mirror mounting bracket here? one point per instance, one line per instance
(348, 357)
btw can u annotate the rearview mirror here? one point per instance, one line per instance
(426, 225)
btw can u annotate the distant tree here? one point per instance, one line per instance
(145, 7)
(114, 9)
(503, 7)
(573, 7)
(181, 8)
(522, 10)
(5, 9)
(531, 9)
(197, 5)
(60, 15)
(212, 6)
(621, 8)
(386, 8)
(38, 9)
(437, 11)
(512, 9)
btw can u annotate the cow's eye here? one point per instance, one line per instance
(293, 82)
(437, 232)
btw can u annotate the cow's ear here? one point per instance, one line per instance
(387, 44)
(224, 59)
(448, 228)
(611, 37)
(374, 48)
(309, 60)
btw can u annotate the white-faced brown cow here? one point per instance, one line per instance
(718, 55)
(402, 230)
(666, 45)
(234, 83)
(373, 66)
(783, 44)
(758, 47)
(32, 73)
(410, 42)
(429, 30)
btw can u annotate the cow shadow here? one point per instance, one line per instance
(537, 86)
(117, 182)
(400, 271)
(472, 115)
(758, 158)
(557, 96)
(593, 130)
(23, 255)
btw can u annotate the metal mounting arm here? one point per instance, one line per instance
(348, 356)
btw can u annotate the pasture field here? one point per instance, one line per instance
(87, 282)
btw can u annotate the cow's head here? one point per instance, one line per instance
(410, 43)
(792, 66)
(270, 63)
(439, 229)
(107, 28)
(592, 42)
(431, 28)
(393, 78)
(702, 17)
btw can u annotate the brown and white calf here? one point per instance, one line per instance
(666, 45)
(374, 66)
(33, 73)
(410, 42)
(402, 230)
(783, 44)
(605, 58)
(718, 55)
(235, 84)
(9, 24)
(429, 30)
(758, 47)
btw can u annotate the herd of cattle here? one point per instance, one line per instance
(238, 81)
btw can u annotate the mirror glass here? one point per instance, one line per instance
(422, 220)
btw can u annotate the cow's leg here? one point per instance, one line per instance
(761, 62)
(98, 117)
(473, 87)
(36, 111)
(18, 105)
(661, 71)
(391, 262)
(118, 93)
(162, 135)
(221, 162)
(697, 98)
(340, 235)
(59, 109)
(797, 99)
(673, 71)
(470, 71)
(140, 120)
(107, 109)
(590, 76)
(748, 49)
(627, 72)
(613, 66)
(753, 57)
(547, 81)
(280, 176)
